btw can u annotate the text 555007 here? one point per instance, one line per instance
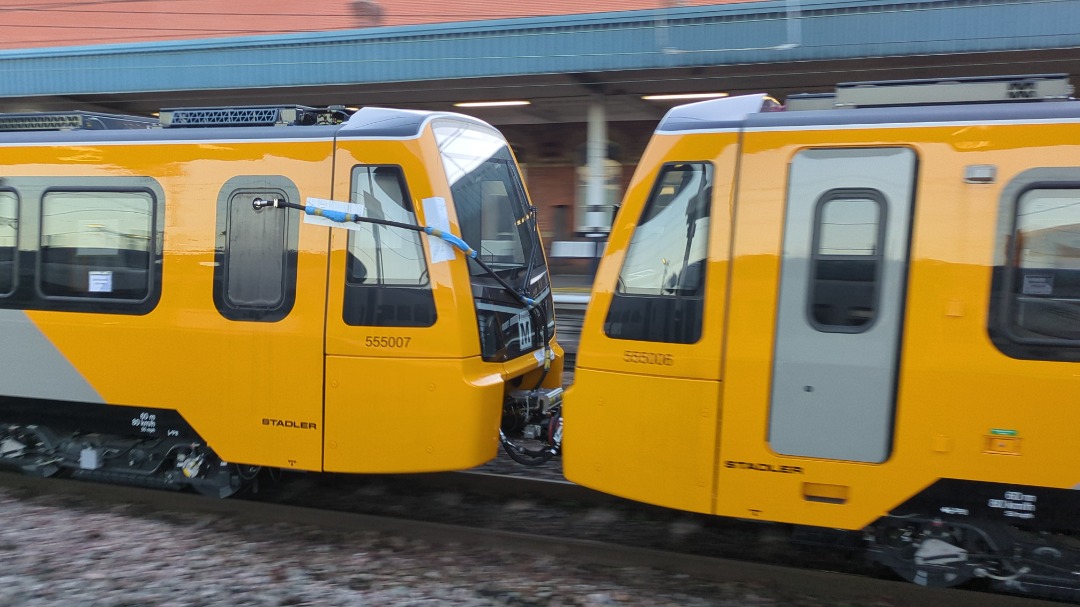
(381, 341)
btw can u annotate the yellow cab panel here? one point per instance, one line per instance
(652, 330)
(443, 339)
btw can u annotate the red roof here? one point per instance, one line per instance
(41, 23)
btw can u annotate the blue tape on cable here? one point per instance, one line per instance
(338, 216)
(454, 240)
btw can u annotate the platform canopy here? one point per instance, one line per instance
(561, 64)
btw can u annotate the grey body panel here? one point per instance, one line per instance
(32, 367)
(833, 390)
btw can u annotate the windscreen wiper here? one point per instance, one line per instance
(453, 240)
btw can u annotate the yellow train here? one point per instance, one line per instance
(168, 317)
(858, 311)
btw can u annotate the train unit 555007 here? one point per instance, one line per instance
(863, 317)
(177, 310)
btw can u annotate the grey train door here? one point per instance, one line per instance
(840, 312)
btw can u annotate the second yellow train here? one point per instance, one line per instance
(858, 311)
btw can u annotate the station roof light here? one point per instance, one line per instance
(681, 96)
(492, 103)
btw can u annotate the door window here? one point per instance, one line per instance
(847, 253)
(255, 273)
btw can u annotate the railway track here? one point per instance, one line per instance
(556, 521)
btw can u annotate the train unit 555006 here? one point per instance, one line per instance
(863, 317)
(177, 310)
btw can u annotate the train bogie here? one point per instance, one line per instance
(869, 324)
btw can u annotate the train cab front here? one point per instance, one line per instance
(446, 306)
(642, 415)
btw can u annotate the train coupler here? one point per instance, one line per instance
(542, 401)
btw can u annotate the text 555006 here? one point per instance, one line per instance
(648, 358)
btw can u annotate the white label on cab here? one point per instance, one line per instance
(436, 216)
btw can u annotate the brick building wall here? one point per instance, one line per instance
(45, 23)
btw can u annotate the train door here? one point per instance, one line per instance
(381, 357)
(268, 298)
(840, 310)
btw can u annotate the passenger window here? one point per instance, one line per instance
(386, 278)
(9, 232)
(660, 293)
(97, 244)
(1045, 265)
(846, 264)
(255, 250)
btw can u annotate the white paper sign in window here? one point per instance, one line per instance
(100, 282)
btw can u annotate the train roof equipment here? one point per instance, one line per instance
(893, 101)
(934, 91)
(261, 115)
(72, 120)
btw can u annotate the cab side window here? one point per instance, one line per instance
(386, 283)
(379, 254)
(661, 289)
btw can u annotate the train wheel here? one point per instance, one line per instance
(929, 554)
(214, 478)
(30, 449)
(932, 576)
(230, 483)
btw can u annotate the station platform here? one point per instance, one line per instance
(571, 292)
(572, 283)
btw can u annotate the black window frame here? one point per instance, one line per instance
(30, 191)
(41, 262)
(14, 261)
(816, 258)
(376, 304)
(1007, 274)
(675, 317)
(41, 300)
(267, 187)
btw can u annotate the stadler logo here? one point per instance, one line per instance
(763, 467)
(288, 423)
